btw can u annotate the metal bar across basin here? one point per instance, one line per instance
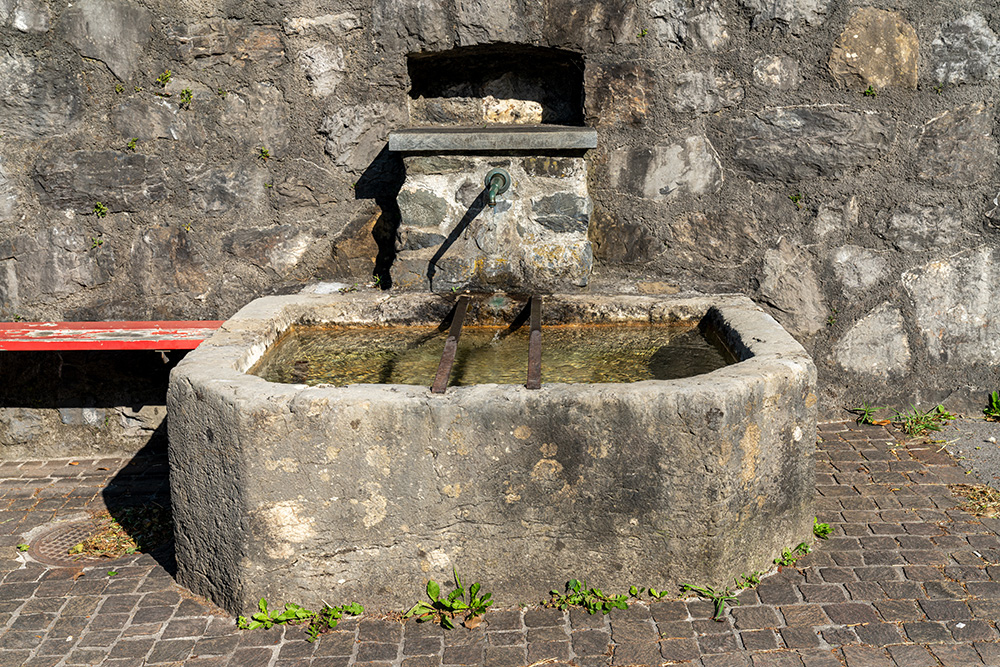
(450, 347)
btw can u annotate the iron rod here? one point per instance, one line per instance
(450, 347)
(535, 345)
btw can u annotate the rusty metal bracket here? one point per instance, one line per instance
(450, 346)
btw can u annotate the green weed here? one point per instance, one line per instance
(789, 556)
(719, 598)
(164, 78)
(96, 242)
(444, 609)
(263, 154)
(797, 200)
(130, 146)
(294, 614)
(992, 411)
(821, 530)
(657, 595)
(112, 573)
(866, 414)
(917, 422)
(119, 88)
(870, 92)
(23, 547)
(187, 97)
(100, 210)
(328, 617)
(748, 580)
(594, 600)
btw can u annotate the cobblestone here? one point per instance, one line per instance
(905, 580)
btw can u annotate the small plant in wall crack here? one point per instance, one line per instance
(100, 210)
(444, 610)
(821, 530)
(164, 78)
(96, 242)
(130, 146)
(187, 97)
(748, 580)
(594, 600)
(870, 92)
(719, 598)
(796, 199)
(263, 154)
(789, 556)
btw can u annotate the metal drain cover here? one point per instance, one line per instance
(53, 547)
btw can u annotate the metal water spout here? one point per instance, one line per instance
(497, 183)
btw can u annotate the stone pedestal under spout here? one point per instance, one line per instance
(533, 240)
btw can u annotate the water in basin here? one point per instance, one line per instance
(341, 355)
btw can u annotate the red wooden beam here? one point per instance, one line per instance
(56, 336)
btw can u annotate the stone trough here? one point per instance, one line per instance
(363, 492)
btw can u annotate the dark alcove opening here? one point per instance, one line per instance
(443, 81)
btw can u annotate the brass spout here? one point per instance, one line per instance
(497, 183)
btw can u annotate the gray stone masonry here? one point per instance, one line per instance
(906, 580)
(533, 241)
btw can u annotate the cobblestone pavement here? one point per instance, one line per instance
(906, 579)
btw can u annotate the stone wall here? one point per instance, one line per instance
(835, 161)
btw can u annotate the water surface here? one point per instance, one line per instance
(341, 355)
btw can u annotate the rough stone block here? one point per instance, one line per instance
(956, 307)
(82, 416)
(31, 108)
(355, 134)
(957, 147)
(876, 344)
(789, 14)
(257, 116)
(112, 31)
(121, 181)
(324, 67)
(691, 167)
(706, 92)
(915, 228)
(223, 41)
(689, 24)
(618, 93)
(789, 285)
(20, 426)
(965, 51)
(795, 143)
(877, 48)
(778, 72)
(857, 268)
(31, 16)
(412, 25)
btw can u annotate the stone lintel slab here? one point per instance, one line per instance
(501, 138)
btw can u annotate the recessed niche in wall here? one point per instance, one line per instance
(497, 83)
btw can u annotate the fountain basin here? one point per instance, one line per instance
(363, 492)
